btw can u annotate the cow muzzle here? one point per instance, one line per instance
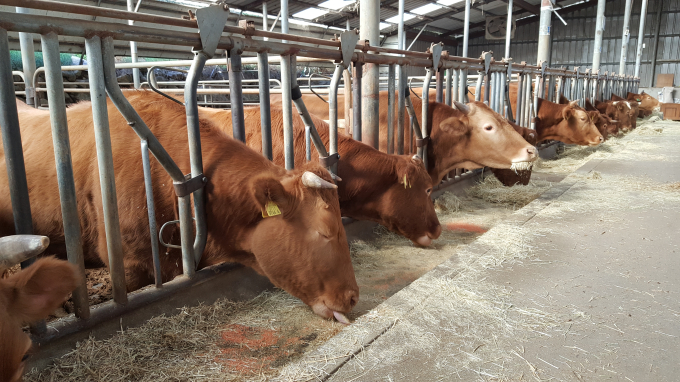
(426, 240)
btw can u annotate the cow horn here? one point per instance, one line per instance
(465, 109)
(311, 180)
(17, 248)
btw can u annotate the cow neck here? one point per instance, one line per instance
(443, 153)
(548, 121)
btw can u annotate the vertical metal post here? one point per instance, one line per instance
(284, 18)
(67, 188)
(236, 95)
(390, 108)
(27, 60)
(599, 32)
(641, 37)
(153, 228)
(333, 114)
(11, 142)
(527, 99)
(655, 49)
(454, 87)
(544, 32)
(508, 31)
(462, 94)
(370, 20)
(518, 110)
(356, 99)
(286, 88)
(422, 151)
(265, 112)
(551, 89)
(439, 86)
(401, 109)
(449, 90)
(265, 27)
(493, 83)
(625, 38)
(487, 88)
(133, 47)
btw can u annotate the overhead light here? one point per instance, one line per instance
(310, 13)
(395, 19)
(336, 4)
(427, 8)
(450, 2)
(385, 26)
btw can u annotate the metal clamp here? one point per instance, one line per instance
(348, 42)
(422, 142)
(436, 50)
(189, 185)
(486, 56)
(329, 160)
(211, 21)
(248, 26)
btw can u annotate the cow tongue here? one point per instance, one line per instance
(341, 318)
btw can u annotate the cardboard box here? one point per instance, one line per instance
(665, 80)
(671, 111)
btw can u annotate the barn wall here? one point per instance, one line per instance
(572, 45)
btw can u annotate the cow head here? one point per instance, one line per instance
(566, 123)
(473, 136)
(303, 248)
(412, 188)
(601, 121)
(647, 102)
(617, 110)
(25, 297)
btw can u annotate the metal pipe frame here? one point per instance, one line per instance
(625, 38)
(238, 123)
(67, 187)
(333, 115)
(520, 93)
(390, 108)
(401, 104)
(195, 156)
(265, 114)
(286, 86)
(151, 208)
(439, 86)
(544, 32)
(487, 89)
(599, 32)
(655, 49)
(641, 37)
(356, 100)
(449, 89)
(422, 150)
(133, 47)
(28, 61)
(454, 86)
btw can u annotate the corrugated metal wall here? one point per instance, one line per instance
(572, 45)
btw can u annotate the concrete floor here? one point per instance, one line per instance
(580, 285)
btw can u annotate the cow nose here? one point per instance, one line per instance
(601, 139)
(532, 151)
(434, 234)
(353, 299)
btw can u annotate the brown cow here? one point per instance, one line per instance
(610, 126)
(617, 110)
(566, 123)
(510, 177)
(302, 249)
(647, 103)
(392, 190)
(600, 120)
(25, 297)
(634, 109)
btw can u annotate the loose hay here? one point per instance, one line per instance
(448, 202)
(493, 191)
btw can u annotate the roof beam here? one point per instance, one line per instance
(526, 6)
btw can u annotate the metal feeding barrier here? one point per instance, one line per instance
(346, 52)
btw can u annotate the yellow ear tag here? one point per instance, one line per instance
(270, 209)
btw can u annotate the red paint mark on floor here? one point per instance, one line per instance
(465, 227)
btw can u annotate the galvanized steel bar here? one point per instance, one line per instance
(655, 49)
(195, 156)
(422, 151)
(370, 31)
(401, 104)
(133, 47)
(356, 100)
(439, 86)
(333, 114)
(449, 90)
(265, 113)
(641, 37)
(27, 60)
(455, 74)
(462, 95)
(544, 32)
(478, 87)
(527, 99)
(390, 108)
(67, 187)
(151, 209)
(234, 68)
(599, 32)
(286, 86)
(487, 88)
(520, 92)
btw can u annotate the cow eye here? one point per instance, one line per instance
(488, 128)
(25, 357)
(429, 191)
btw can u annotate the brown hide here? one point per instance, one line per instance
(566, 123)
(634, 109)
(617, 110)
(470, 141)
(372, 186)
(646, 101)
(612, 125)
(28, 296)
(509, 177)
(303, 251)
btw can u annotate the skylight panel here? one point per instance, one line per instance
(310, 13)
(425, 9)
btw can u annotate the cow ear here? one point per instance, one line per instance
(407, 171)
(267, 189)
(41, 288)
(455, 125)
(567, 112)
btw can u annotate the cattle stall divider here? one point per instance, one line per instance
(451, 72)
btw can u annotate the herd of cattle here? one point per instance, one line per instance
(284, 224)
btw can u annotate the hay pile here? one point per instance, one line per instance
(517, 196)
